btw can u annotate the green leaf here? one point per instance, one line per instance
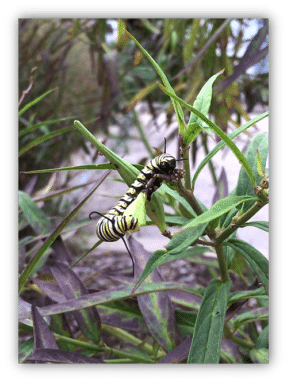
(157, 258)
(26, 107)
(226, 218)
(127, 171)
(263, 339)
(102, 166)
(191, 132)
(218, 208)
(244, 185)
(137, 209)
(247, 294)
(45, 123)
(106, 296)
(251, 315)
(40, 253)
(202, 104)
(160, 257)
(221, 144)
(203, 100)
(260, 224)
(184, 239)
(208, 331)
(176, 105)
(45, 138)
(260, 355)
(33, 214)
(258, 262)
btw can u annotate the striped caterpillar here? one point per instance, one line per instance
(114, 225)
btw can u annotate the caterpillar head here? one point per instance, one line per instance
(167, 163)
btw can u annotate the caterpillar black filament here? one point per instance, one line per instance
(114, 225)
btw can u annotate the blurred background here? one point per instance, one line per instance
(97, 75)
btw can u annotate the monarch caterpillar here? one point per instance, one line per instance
(114, 224)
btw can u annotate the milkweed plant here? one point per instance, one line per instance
(153, 320)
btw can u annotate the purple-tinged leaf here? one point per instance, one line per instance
(71, 286)
(43, 337)
(157, 308)
(51, 289)
(179, 354)
(60, 356)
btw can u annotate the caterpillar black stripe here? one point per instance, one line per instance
(114, 225)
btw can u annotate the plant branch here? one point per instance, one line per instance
(239, 221)
(222, 263)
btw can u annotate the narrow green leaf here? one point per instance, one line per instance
(202, 104)
(247, 294)
(258, 262)
(45, 123)
(260, 355)
(160, 257)
(37, 257)
(263, 339)
(251, 315)
(208, 331)
(36, 100)
(203, 100)
(33, 214)
(260, 224)
(45, 138)
(102, 166)
(127, 171)
(219, 208)
(106, 296)
(184, 239)
(176, 105)
(221, 144)
(156, 259)
(244, 185)
(191, 132)
(156, 308)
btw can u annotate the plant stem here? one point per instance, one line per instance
(240, 220)
(222, 263)
(190, 198)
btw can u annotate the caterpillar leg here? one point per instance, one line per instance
(175, 177)
(155, 182)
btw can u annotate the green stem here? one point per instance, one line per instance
(241, 342)
(222, 263)
(190, 198)
(186, 167)
(124, 336)
(240, 220)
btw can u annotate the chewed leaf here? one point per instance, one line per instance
(137, 209)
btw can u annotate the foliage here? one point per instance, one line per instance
(111, 77)
(145, 319)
